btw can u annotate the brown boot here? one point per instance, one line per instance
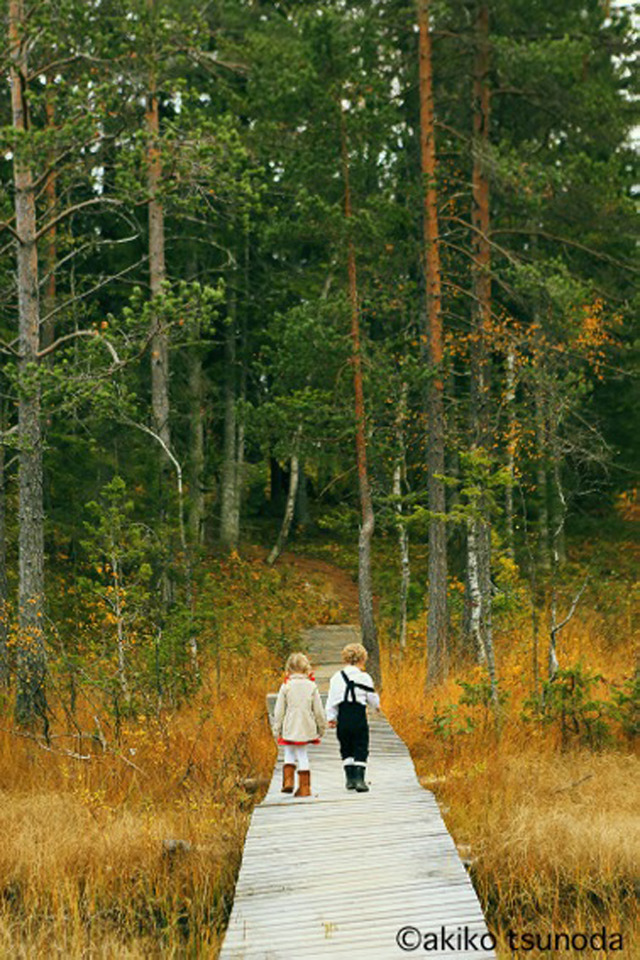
(304, 784)
(288, 773)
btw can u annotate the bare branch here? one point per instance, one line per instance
(43, 746)
(178, 469)
(209, 59)
(8, 433)
(556, 628)
(7, 226)
(72, 336)
(9, 348)
(87, 293)
(91, 245)
(569, 243)
(74, 209)
(574, 605)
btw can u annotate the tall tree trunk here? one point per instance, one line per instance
(157, 265)
(196, 459)
(479, 529)
(484, 537)
(50, 251)
(228, 525)
(511, 448)
(558, 540)
(236, 506)
(437, 625)
(4, 586)
(301, 515)
(365, 590)
(480, 223)
(31, 658)
(289, 509)
(475, 593)
(399, 475)
(541, 479)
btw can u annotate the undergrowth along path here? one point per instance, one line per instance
(346, 875)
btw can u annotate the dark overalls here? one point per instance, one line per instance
(353, 729)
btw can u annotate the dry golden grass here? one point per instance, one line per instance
(89, 864)
(553, 836)
(84, 865)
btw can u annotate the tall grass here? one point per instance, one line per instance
(132, 852)
(550, 830)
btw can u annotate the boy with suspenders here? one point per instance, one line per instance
(350, 691)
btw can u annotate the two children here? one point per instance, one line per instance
(299, 719)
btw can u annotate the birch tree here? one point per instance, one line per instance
(479, 524)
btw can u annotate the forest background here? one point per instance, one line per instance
(356, 277)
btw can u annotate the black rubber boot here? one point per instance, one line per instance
(350, 776)
(360, 785)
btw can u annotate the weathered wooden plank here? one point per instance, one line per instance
(338, 875)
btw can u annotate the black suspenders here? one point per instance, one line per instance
(350, 688)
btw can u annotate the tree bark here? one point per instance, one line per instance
(302, 515)
(196, 460)
(50, 251)
(437, 618)
(238, 484)
(4, 586)
(511, 449)
(289, 510)
(484, 538)
(475, 594)
(558, 540)
(228, 516)
(399, 475)
(365, 590)
(480, 222)
(479, 528)
(31, 657)
(157, 265)
(541, 480)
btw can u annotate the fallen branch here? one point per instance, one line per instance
(43, 746)
(576, 783)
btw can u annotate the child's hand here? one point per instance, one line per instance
(332, 723)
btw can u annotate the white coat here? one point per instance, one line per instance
(299, 717)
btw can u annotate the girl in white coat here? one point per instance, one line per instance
(298, 721)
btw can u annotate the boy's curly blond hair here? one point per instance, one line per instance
(354, 653)
(298, 663)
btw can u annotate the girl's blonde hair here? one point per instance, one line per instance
(298, 663)
(354, 653)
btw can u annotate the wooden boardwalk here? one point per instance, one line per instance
(338, 875)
